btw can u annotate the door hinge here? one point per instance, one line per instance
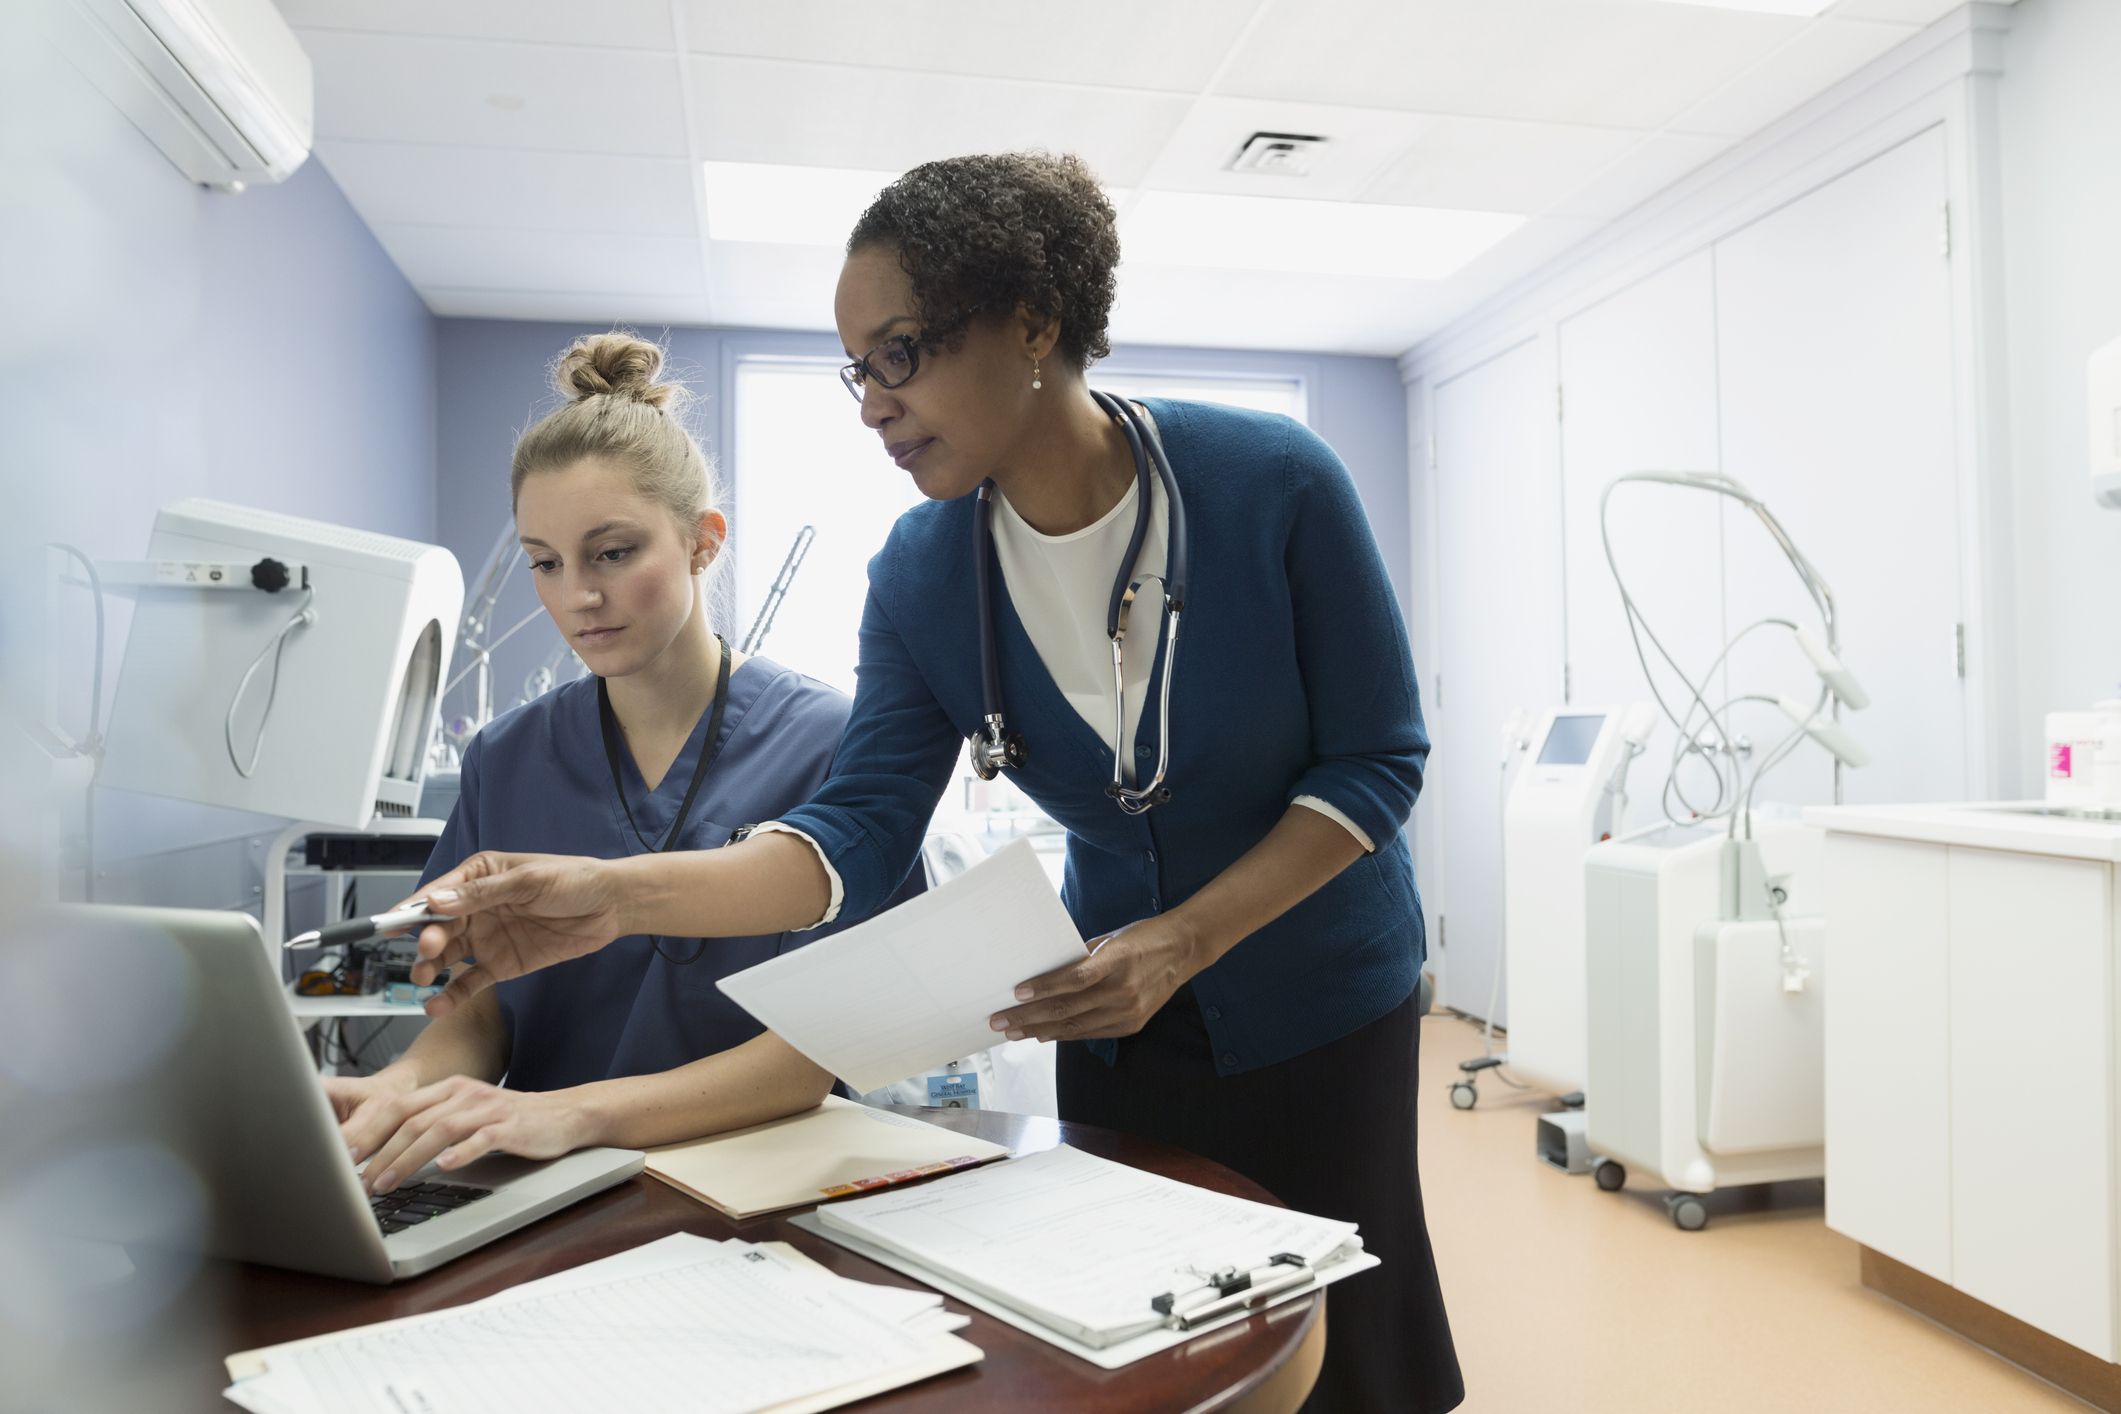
(1439, 692)
(1432, 452)
(1944, 230)
(1443, 932)
(1557, 402)
(1567, 679)
(1959, 650)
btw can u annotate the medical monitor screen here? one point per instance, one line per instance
(1570, 739)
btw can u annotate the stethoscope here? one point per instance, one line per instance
(994, 745)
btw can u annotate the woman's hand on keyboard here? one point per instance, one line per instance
(456, 1120)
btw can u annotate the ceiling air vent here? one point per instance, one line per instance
(1277, 154)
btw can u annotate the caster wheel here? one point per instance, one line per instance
(1464, 1096)
(1688, 1213)
(1609, 1176)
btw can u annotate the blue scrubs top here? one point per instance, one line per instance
(536, 780)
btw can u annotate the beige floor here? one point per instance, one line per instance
(1568, 1299)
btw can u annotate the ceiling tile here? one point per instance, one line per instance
(1495, 164)
(457, 92)
(465, 257)
(1644, 170)
(1619, 63)
(592, 310)
(887, 120)
(1905, 12)
(1808, 65)
(772, 286)
(531, 191)
(1173, 45)
(616, 24)
(1255, 309)
(1360, 143)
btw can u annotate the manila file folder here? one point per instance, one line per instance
(834, 1151)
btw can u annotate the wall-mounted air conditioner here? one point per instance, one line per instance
(221, 86)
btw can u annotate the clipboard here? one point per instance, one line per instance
(1119, 1354)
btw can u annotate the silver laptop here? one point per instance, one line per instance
(236, 1098)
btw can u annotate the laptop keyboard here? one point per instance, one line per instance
(414, 1203)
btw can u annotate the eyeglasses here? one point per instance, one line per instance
(890, 363)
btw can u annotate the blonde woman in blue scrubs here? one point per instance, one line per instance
(675, 742)
(1251, 997)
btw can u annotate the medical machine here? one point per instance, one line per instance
(1705, 976)
(280, 665)
(1706, 994)
(478, 638)
(762, 622)
(235, 1103)
(1570, 794)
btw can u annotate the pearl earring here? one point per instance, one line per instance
(1035, 384)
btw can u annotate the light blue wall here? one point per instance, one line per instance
(493, 382)
(163, 341)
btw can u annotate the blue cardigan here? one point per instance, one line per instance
(1293, 678)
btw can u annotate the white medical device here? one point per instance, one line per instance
(1567, 797)
(2103, 401)
(1712, 740)
(1705, 1048)
(312, 700)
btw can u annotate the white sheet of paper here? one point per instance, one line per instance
(768, 1331)
(506, 1354)
(912, 989)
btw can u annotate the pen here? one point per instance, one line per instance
(360, 930)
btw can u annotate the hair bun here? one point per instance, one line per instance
(616, 365)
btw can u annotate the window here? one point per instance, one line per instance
(1282, 395)
(801, 456)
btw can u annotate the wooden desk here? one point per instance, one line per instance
(1263, 1365)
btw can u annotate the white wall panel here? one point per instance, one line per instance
(1834, 355)
(1638, 375)
(1499, 591)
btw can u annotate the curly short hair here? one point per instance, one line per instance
(980, 235)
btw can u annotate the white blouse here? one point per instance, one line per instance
(1061, 586)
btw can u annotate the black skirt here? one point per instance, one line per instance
(1329, 1132)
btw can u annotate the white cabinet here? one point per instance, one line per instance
(1971, 1092)
(1888, 1050)
(2032, 1081)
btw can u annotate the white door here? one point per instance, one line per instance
(1834, 358)
(1498, 530)
(1638, 378)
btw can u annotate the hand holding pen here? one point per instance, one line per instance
(405, 919)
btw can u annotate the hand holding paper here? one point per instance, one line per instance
(914, 988)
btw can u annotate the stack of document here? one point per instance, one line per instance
(1103, 1260)
(834, 1151)
(684, 1322)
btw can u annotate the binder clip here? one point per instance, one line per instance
(1234, 1289)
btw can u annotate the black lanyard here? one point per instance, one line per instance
(709, 749)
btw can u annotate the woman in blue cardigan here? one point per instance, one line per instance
(1249, 895)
